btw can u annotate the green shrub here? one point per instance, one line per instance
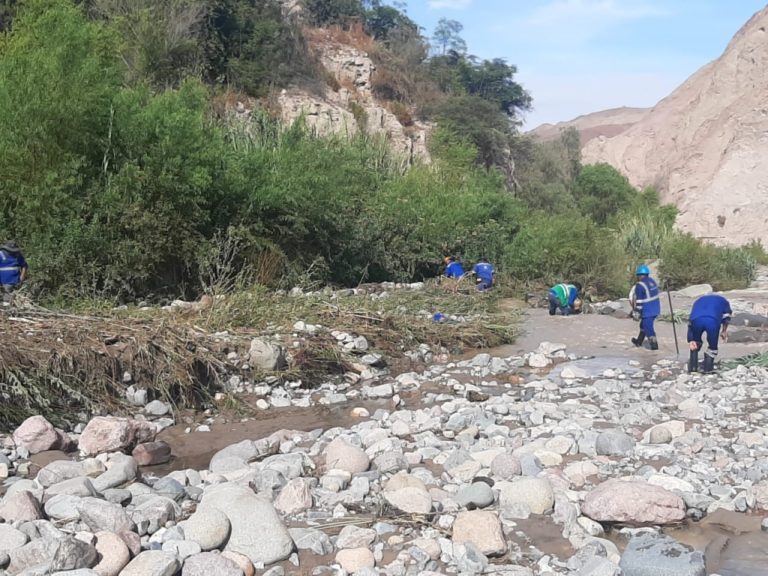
(568, 247)
(602, 192)
(686, 260)
(757, 251)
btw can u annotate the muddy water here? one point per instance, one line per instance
(732, 542)
(606, 337)
(195, 449)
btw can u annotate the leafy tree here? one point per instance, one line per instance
(601, 192)
(481, 123)
(327, 12)
(447, 37)
(253, 47)
(491, 80)
(382, 20)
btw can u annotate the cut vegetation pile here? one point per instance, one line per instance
(68, 366)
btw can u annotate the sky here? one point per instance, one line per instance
(581, 56)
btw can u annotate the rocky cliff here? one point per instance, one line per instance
(605, 124)
(348, 104)
(705, 145)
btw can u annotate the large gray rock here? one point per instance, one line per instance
(36, 434)
(411, 500)
(295, 496)
(99, 515)
(256, 528)
(11, 538)
(170, 488)
(236, 456)
(289, 465)
(633, 503)
(112, 434)
(208, 526)
(35, 553)
(208, 564)
(614, 443)
(62, 507)
(477, 495)
(266, 356)
(81, 487)
(73, 554)
(481, 528)
(21, 506)
(122, 470)
(58, 471)
(311, 539)
(536, 493)
(152, 563)
(506, 466)
(113, 554)
(660, 555)
(341, 455)
(153, 512)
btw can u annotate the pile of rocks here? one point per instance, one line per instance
(447, 487)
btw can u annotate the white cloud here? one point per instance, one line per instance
(449, 4)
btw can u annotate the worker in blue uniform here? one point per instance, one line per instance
(453, 268)
(484, 273)
(645, 305)
(13, 269)
(708, 315)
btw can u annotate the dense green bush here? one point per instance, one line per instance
(565, 248)
(602, 192)
(686, 260)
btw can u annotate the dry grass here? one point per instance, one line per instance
(354, 35)
(61, 364)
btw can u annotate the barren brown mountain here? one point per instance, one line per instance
(705, 146)
(606, 123)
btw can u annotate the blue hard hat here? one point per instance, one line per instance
(642, 269)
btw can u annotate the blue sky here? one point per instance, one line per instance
(580, 56)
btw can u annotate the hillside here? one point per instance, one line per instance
(704, 145)
(603, 124)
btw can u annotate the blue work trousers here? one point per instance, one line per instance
(646, 325)
(698, 327)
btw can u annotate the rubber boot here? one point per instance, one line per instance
(639, 340)
(709, 364)
(693, 361)
(653, 342)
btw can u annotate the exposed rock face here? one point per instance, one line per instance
(603, 124)
(352, 107)
(705, 144)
